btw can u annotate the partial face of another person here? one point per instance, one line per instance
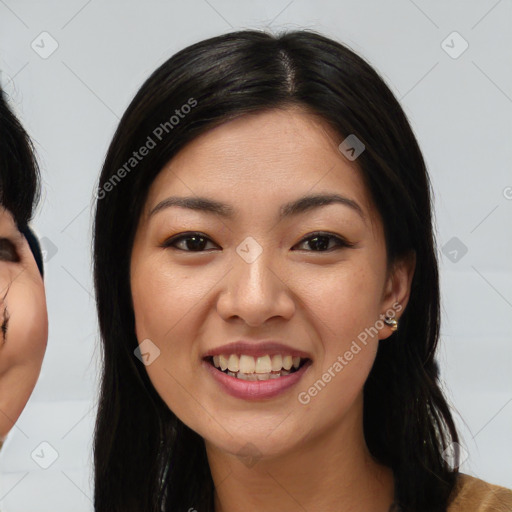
(311, 279)
(23, 317)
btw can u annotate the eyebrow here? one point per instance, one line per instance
(293, 208)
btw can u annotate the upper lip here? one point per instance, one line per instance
(256, 349)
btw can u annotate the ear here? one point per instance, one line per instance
(397, 290)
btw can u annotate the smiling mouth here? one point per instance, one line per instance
(250, 368)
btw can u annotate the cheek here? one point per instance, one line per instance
(344, 308)
(162, 297)
(27, 329)
(343, 301)
(164, 313)
(164, 300)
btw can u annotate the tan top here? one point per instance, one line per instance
(474, 495)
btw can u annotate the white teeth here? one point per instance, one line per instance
(233, 363)
(263, 365)
(223, 362)
(260, 368)
(247, 364)
(287, 362)
(277, 362)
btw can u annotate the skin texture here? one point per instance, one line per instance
(22, 293)
(312, 456)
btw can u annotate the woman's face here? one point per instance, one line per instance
(263, 275)
(23, 320)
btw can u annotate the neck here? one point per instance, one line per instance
(332, 470)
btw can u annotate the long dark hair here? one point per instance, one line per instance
(19, 170)
(145, 457)
(20, 179)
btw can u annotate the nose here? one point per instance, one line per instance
(255, 291)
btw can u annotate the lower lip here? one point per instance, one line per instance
(257, 389)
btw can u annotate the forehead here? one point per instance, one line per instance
(262, 160)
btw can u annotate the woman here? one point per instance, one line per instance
(267, 291)
(23, 315)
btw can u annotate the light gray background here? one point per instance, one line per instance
(70, 103)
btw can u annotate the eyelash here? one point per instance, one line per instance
(6, 316)
(340, 242)
(5, 324)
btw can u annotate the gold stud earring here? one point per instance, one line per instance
(392, 322)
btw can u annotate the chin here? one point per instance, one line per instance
(253, 444)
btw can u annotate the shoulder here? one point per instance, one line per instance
(471, 494)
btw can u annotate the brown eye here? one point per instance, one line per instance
(8, 251)
(316, 239)
(194, 242)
